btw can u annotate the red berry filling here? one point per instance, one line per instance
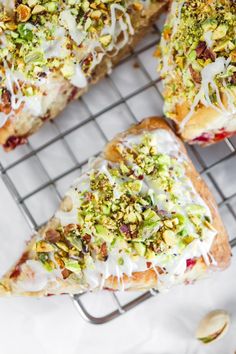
(190, 263)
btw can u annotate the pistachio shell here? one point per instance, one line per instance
(213, 326)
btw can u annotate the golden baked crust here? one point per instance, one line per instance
(220, 249)
(16, 131)
(197, 129)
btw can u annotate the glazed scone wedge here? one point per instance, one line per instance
(198, 67)
(50, 52)
(139, 218)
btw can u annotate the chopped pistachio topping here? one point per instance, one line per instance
(42, 39)
(199, 48)
(143, 207)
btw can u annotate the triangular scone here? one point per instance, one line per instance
(139, 218)
(198, 57)
(52, 51)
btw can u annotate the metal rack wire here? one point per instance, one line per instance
(66, 143)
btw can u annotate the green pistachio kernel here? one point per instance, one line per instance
(140, 248)
(106, 209)
(220, 46)
(103, 233)
(105, 40)
(196, 220)
(151, 219)
(43, 257)
(120, 261)
(88, 23)
(35, 57)
(164, 160)
(169, 237)
(124, 168)
(62, 246)
(85, 5)
(88, 217)
(51, 6)
(76, 242)
(220, 32)
(73, 266)
(136, 186)
(80, 219)
(29, 91)
(209, 25)
(188, 239)
(131, 217)
(181, 218)
(169, 224)
(150, 215)
(192, 55)
(195, 209)
(14, 35)
(49, 266)
(32, 3)
(44, 246)
(183, 232)
(25, 32)
(150, 254)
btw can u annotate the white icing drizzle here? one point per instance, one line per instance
(117, 27)
(3, 118)
(16, 99)
(69, 22)
(174, 18)
(177, 10)
(79, 79)
(56, 48)
(208, 74)
(11, 79)
(36, 277)
(208, 39)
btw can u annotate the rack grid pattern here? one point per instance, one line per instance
(40, 172)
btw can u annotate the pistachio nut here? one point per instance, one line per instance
(213, 326)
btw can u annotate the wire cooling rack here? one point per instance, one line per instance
(38, 174)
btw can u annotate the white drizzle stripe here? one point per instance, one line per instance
(178, 13)
(208, 74)
(208, 39)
